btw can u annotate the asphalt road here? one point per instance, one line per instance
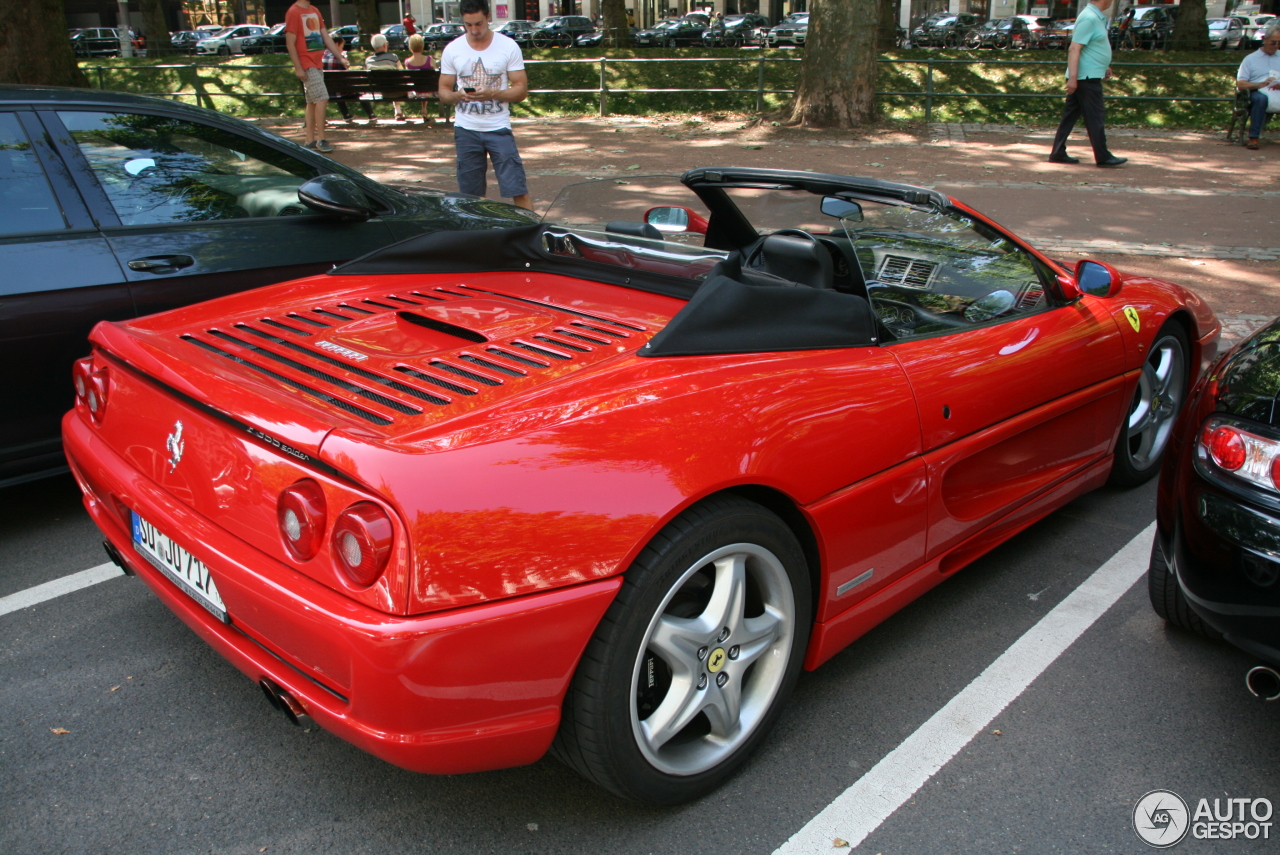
(169, 749)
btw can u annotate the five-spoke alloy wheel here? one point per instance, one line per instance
(1161, 392)
(690, 667)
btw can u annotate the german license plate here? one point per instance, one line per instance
(183, 568)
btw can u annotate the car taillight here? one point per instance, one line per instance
(1230, 448)
(301, 516)
(91, 387)
(362, 541)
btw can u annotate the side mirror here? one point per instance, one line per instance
(834, 206)
(337, 196)
(673, 220)
(1097, 279)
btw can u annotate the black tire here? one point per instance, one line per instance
(224, 51)
(1161, 392)
(613, 698)
(1167, 599)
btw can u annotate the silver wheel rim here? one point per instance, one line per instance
(1156, 403)
(724, 667)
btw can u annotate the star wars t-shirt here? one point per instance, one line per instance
(482, 69)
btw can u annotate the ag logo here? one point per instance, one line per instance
(716, 660)
(1160, 818)
(1134, 321)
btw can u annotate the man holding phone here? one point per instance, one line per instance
(482, 75)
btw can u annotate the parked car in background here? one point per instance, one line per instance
(347, 32)
(1058, 34)
(437, 36)
(272, 41)
(120, 205)
(1226, 33)
(185, 41)
(734, 30)
(1254, 28)
(793, 30)
(521, 32)
(397, 38)
(944, 30)
(1215, 563)
(1152, 25)
(227, 42)
(96, 41)
(595, 39)
(1036, 25)
(560, 30)
(1009, 33)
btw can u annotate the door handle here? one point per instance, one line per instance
(161, 263)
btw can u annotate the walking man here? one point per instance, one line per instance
(305, 37)
(1088, 64)
(483, 74)
(1259, 72)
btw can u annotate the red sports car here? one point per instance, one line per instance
(603, 485)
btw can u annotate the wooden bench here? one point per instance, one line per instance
(383, 85)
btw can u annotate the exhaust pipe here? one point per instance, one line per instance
(286, 703)
(114, 555)
(1263, 682)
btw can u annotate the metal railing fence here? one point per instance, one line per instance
(601, 92)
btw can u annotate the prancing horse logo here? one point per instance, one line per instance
(174, 444)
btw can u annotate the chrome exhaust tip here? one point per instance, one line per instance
(285, 703)
(1263, 682)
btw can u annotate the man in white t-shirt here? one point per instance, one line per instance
(1259, 72)
(482, 74)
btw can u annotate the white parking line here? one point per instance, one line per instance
(58, 587)
(860, 810)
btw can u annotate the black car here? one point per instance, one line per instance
(118, 205)
(591, 40)
(1215, 564)
(1012, 32)
(560, 30)
(1152, 26)
(184, 41)
(270, 42)
(944, 30)
(521, 32)
(733, 30)
(437, 36)
(397, 39)
(674, 32)
(96, 41)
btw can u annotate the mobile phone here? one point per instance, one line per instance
(468, 89)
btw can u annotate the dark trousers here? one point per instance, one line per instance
(1258, 103)
(346, 111)
(1086, 101)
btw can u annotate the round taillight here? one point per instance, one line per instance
(80, 377)
(362, 538)
(95, 396)
(301, 516)
(1226, 447)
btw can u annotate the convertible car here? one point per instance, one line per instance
(604, 484)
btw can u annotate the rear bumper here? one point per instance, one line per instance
(458, 691)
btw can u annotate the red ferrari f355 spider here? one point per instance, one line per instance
(603, 485)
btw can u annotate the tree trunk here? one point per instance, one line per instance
(34, 48)
(837, 87)
(368, 20)
(155, 28)
(888, 39)
(616, 32)
(1190, 32)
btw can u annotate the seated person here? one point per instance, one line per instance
(383, 58)
(1260, 71)
(330, 62)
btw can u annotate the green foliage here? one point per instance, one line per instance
(266, 86)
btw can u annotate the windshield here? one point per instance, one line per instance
(546, 23)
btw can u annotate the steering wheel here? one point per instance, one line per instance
(917, 314)
(752, 257)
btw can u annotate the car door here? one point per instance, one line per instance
(60, 278)
(1018, 392)
(195, 210)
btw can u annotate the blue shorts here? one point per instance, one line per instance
(507, 165)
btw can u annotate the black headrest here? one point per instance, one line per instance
(624, 227)
(798, 259)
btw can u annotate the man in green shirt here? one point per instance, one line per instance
(1088, 64)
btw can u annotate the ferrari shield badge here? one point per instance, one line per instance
(175, 445)
(1134, 321)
